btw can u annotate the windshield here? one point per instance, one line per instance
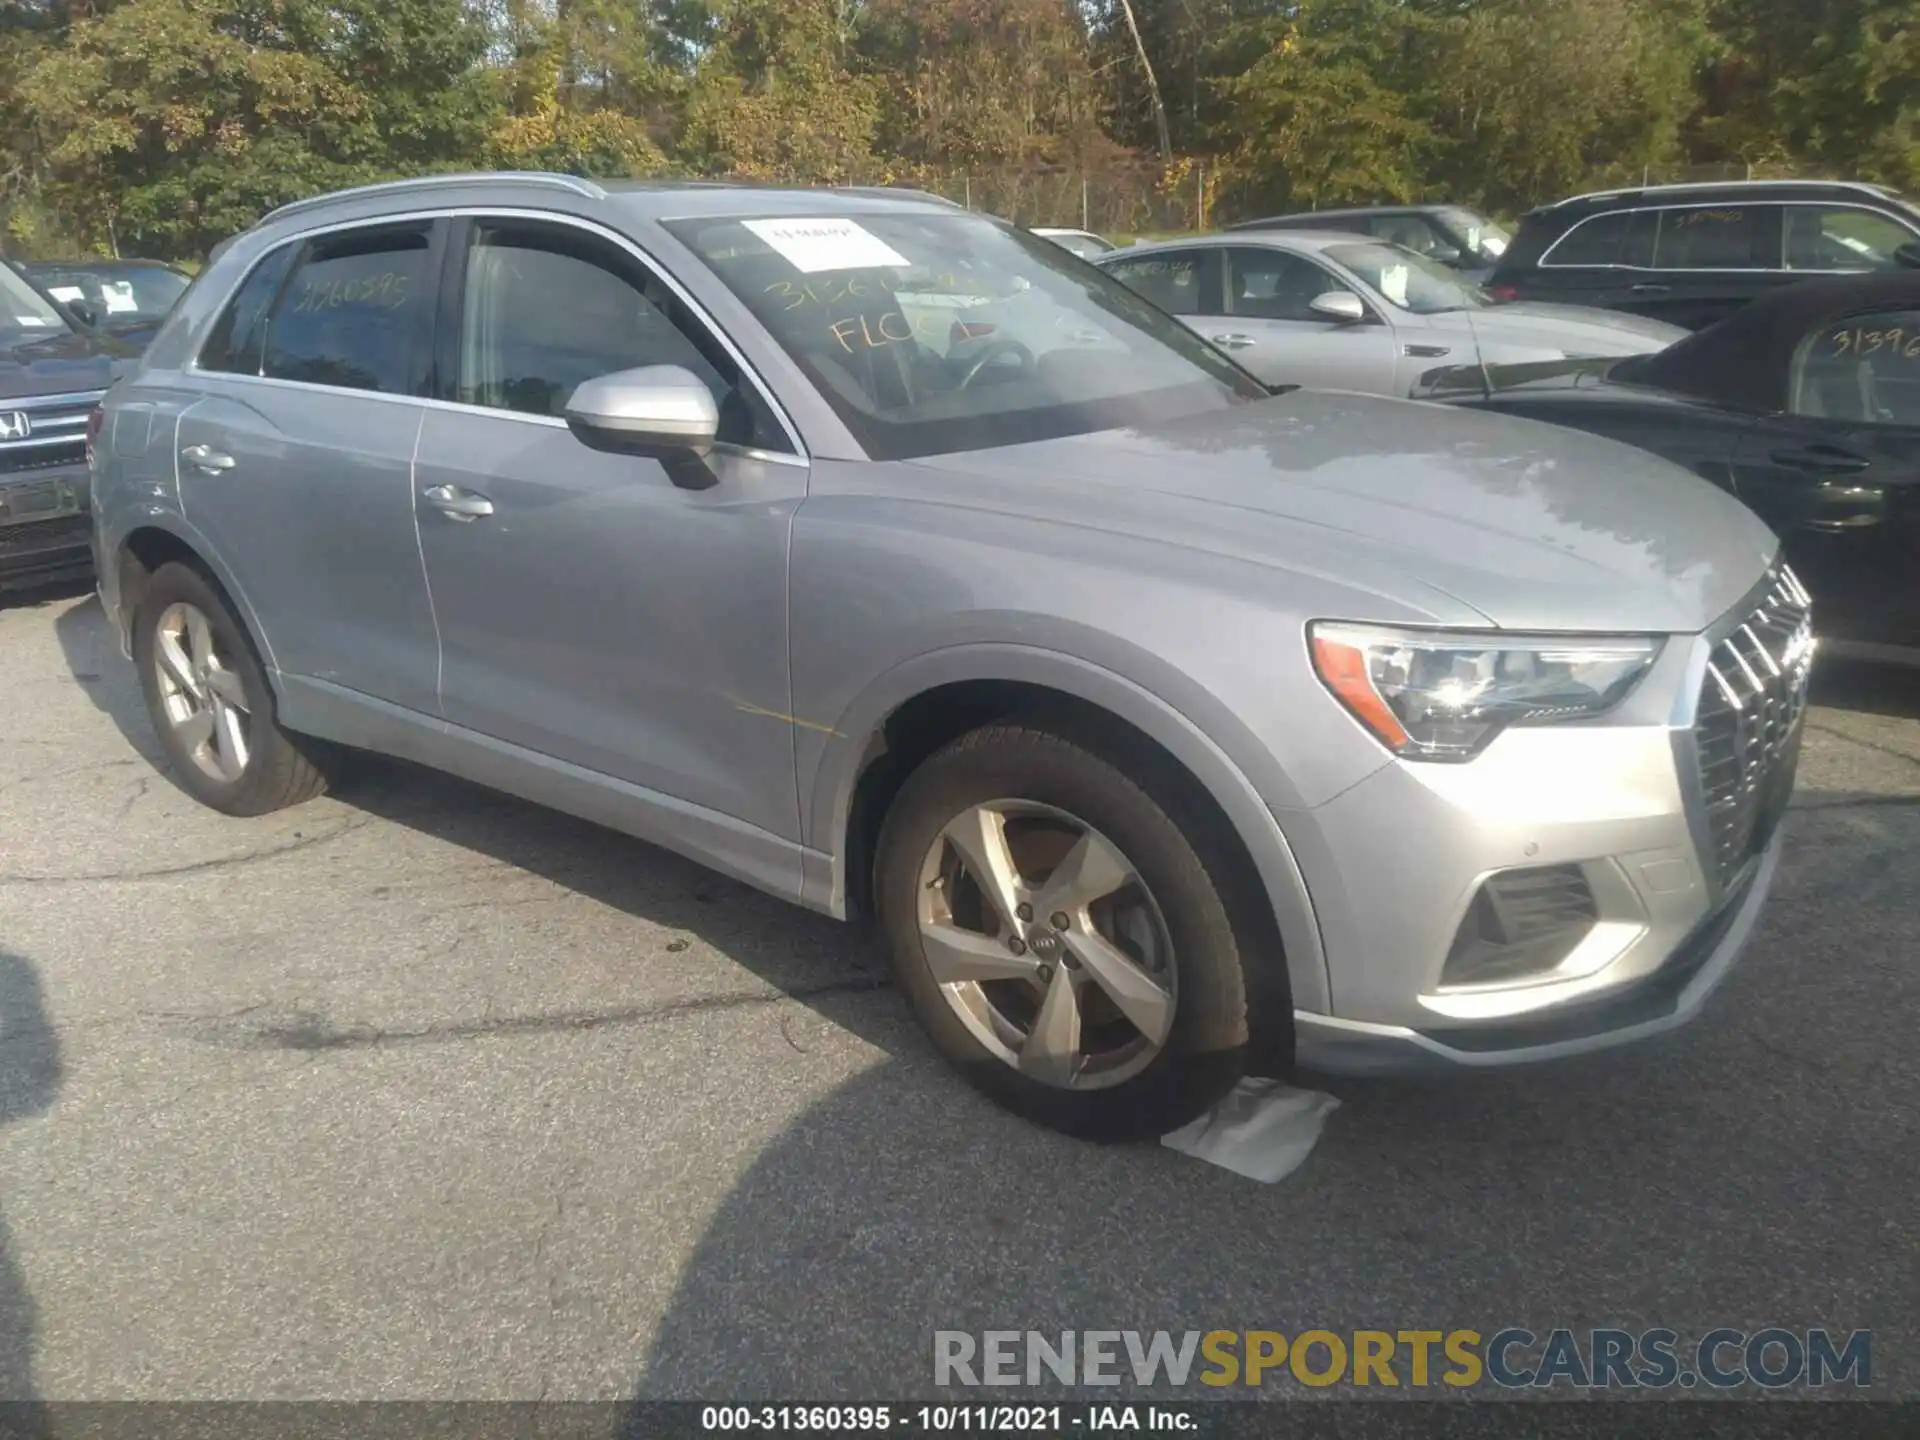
(934, 333)
(1409, 281)
(1485, 239)
(117, 294)
(24, 311)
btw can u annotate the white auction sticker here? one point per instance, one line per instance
(813, 245)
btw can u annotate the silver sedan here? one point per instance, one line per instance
(1343, 312)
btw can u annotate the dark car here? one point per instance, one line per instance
(1452, 235)
(1693, 254)
(52, 375)
(126, 298)
(1806, 405)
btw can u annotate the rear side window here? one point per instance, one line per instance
(1864, 369)
(234, 346)
(1711, 238)
(1171, 281)
(1594, 241)
(354, 313)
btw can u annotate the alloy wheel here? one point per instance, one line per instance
(201, 694)
(1047, 944)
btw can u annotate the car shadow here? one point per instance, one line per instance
(29, 1081)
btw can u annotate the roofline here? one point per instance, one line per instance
(574, 184)
(1683, 187)
(530, 178)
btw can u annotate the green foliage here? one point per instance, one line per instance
(160, 126)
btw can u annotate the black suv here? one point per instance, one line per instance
(1454, 236)
(52, 375)
(1693, 254)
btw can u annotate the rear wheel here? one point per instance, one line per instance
(208, 697)
(1060, 937)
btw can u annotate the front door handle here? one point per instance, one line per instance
(457, 504)
(205, 457)
(1821, 460)
(1232, 342)
(1648, 288)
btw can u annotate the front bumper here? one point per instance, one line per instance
(1663, 1000)
(1671, 828)
(46, 531)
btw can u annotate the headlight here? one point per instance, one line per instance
(1429, 695)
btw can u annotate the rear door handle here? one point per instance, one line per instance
(1648, 288)
(1821, 460)
(1425, 352)
(457, 504)
(205, 457)
(1232, 342)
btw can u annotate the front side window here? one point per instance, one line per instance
(1864, 369)
(1408, 281)
(1170, 279)
(1711, 238)
(353, 313)
(235, 344)
(929, 334)
(545, 309)
(1275, 284)
(1819, 238)
(25, 313)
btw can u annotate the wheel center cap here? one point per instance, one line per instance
(1045, 945)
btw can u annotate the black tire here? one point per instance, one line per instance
(1208, 1047)
(282, 768)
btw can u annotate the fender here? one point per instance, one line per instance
(839, 766)
(160, 517)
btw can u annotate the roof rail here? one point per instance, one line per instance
(1680, 187)
(434, 182)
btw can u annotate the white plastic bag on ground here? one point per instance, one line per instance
(1263, 1129)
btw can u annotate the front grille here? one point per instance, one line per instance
(57, 432)
(1746, 732)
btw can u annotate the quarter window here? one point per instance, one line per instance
(1594, 241)
(234, 347)
(353, 314)
(1842, 239)
(1275, 285)
(1169, 280)
(1864, 369)
(546, 309)
(1710, 238)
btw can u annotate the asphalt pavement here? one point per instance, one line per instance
(419, 1091)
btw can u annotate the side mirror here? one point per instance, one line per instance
(656, 410)
(86, 313)
(1341, 305)
(1446, 255)
(1908, 255)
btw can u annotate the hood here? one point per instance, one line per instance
(1545, 332)
(61, 364)
(1443, 513)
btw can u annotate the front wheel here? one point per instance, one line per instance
(1060, 938)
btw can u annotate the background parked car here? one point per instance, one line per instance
(1451, 234)
(1345, 313)
(126, 298)
(1693, 254)
(1083, 243)
(1806, 405)
(51, 377)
